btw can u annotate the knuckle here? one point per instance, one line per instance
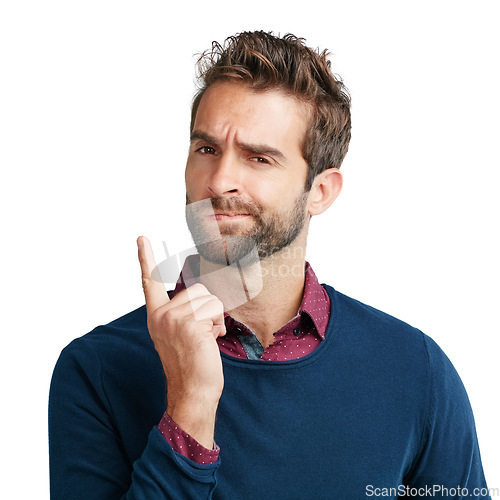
(198, 287)
(161, 324)
(216, 304)
(215, 299)
(168, 316)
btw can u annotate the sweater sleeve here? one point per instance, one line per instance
(87, 455)
(449, 463)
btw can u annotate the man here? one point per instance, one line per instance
(275, 385)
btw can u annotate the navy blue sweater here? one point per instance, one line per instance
(376, 405)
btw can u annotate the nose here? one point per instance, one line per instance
(226, 176)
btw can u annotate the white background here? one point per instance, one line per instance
(94, 106)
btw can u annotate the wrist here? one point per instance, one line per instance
(184, 444)
(196, 417)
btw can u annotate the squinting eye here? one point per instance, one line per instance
(259, 159)
(206, 150)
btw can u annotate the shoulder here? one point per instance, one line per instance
(390, 340)
(363, 322)
(386, 345)
(127, 329)
(121, 341)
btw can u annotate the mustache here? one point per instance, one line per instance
(234, 204)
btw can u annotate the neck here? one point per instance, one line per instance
(264, 295)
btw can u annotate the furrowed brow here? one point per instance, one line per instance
(262, 149)
(256, 149)
(198, 135)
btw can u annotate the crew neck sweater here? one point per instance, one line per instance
(376, 405)
(295, 339)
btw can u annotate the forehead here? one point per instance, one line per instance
(230, 110)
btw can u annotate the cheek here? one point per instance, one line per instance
(264, 198)
(266, 187)
(193, 181)
(278, 195)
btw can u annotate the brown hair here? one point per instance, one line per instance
(264, 61)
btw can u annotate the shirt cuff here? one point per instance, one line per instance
(184, 444)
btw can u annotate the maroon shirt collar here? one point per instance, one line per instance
(315, 301)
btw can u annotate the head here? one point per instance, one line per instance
(263, 62)
(273, 100)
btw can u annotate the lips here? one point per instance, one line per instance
(227, 215)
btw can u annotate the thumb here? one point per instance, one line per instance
(219, 330)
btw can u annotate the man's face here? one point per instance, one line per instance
(245, 157)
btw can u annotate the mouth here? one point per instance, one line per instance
(229, 216)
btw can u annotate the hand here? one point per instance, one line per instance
(184, 331)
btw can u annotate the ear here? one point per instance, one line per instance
(325, 189)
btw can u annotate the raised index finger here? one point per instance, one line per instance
(154, 291)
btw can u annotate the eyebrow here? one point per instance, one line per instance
(262, 149)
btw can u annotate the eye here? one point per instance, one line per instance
(259, 159)
(207, 150)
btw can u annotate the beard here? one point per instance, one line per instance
(270, 232)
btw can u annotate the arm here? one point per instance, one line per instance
(87, 455)
(86, 450)
(449, 455)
